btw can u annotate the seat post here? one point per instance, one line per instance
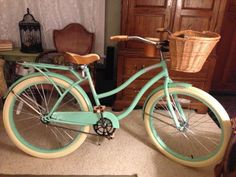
(95, 96)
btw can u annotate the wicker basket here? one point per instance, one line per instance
(190, 49)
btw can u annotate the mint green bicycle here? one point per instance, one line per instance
(48, 115)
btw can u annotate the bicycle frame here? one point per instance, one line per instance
(92, 118)
(162, 74)
(39, 106)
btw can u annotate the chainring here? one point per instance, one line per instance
(104, 127)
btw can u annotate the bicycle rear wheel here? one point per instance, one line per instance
(23, 121)
(204, 136)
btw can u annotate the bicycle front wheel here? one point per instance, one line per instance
(203, 137)
(22, 115)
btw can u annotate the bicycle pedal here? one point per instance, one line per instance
(111, 137)
(99, 109)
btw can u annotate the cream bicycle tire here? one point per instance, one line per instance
(9, 126)
(208, 100)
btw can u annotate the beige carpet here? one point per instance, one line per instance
(131, 152)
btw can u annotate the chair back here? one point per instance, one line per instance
(73, 38)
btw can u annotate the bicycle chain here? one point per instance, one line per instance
(87, 133)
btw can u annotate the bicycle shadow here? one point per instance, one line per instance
(7, 146)
(134, 125)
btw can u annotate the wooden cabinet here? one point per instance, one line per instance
(197, 15)
(142, 18)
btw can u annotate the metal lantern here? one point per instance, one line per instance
(30, 34)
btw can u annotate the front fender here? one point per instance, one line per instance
(170, 85)
(56, 75)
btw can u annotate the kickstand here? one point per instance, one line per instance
(98, 142)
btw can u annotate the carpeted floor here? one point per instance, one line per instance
(131, 152)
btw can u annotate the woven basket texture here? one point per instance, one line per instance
(190, 49)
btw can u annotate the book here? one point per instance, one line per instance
(6, 45)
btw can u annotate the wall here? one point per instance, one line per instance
(113, 15)
(54, 14)
(106, 77)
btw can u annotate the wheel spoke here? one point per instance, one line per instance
(45, 100)
(27, 118)
(24, 112)
(160, 120)
(31, 127)
(199, 137)
(50, 96)
(29, 105)
(56, 136)
(66, 103)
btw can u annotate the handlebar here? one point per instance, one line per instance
(119, 38)
(148, 40)
(153, 41)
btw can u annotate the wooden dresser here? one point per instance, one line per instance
(142, 18)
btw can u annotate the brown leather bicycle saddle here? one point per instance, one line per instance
(81, 59)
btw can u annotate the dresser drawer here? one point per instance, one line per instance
(133, 65)
(133, 89)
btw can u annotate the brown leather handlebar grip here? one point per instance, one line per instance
(119, 38)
